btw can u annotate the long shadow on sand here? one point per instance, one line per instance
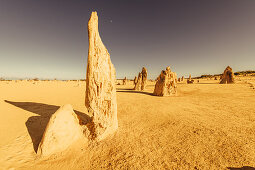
(132, 91)
(242, 168)
(37, 124)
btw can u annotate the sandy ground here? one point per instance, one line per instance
(207, 126)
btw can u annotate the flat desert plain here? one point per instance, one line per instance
(207, 126)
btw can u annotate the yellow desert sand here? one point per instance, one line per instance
(100, 122)
(207, 126)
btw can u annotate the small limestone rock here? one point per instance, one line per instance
(166, 84)
(100, 97)
(190, 81)
(182, 78)
(62, 131)
(125, 81)
(228, 76)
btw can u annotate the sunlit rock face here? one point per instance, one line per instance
(100, 97)
(63, 129)
(228, 76)
(144, 78)
(166, 84)
(138, 83)
(141, 81)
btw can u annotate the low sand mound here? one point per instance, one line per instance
(62, 130)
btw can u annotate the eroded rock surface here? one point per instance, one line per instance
(228, 76)
(166, 84)
(100, 97)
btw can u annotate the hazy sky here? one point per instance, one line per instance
(48, 38)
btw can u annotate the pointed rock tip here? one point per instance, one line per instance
(168, 68)
(67, 107)
(93, 14)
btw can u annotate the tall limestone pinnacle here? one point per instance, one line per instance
(100, 98)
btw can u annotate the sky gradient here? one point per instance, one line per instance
(48, 38)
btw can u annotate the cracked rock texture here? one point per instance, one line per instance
(100, 97)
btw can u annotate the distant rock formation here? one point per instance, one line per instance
(144, 78)
(182, 78)
(125, 81)
(100, 97)
(228, 76)
(139, 82)
(62, 131)
(179, 79)
(190, 81)
(166, 84)
(135, 80)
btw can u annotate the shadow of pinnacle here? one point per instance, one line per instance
(36, 124)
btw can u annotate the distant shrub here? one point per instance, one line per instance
(244, 72)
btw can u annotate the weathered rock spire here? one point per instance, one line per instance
(144, 78)
(100, 97)
(228, 76)
(138, 82)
